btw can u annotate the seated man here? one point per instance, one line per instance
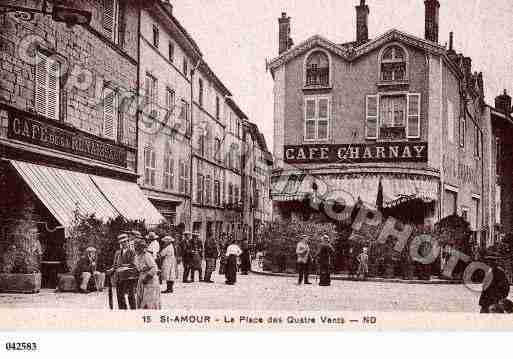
(86, 269)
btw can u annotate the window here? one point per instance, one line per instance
(171, 54)
(317, 112)
(208, 190)
(463, 130)
(48, 87)
(235, 194)
(398, 116)
(201, 144)
(111, 20)
(230, 193)
(170, 100)
(152, 95)
(317, 69)
(155, 36)
(477, 141)
(217, 193)
(199, 188)
(450, 121)
(450, 202)
(393, 64)
(200, 92)
(150, 166)
(498, 155)
(185, 67)
(183, 179)
(498, 206)
(169, 172)
(217, 149)
(110, 113)
(184, 116)
(218, 108)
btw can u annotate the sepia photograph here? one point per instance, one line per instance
(332, 165)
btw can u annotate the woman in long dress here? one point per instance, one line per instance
(148, 286)
(169, 263)
(232, 253)
(325, 259)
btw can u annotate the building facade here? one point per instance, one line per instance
(397, 112)
(68, 124)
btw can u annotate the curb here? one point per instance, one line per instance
(370, 279)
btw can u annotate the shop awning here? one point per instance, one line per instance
(351, 187)
(64, 192)
(129, 200)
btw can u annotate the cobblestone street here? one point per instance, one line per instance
(255, 292)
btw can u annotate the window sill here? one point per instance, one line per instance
(313, 141)
(317, 87)
(402, 83)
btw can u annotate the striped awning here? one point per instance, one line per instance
(351, 187)
(63, 192)
(129, 200)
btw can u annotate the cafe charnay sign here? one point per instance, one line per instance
(41, 133)
(357, 153)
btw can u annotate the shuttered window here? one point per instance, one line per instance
(371, 127)
(47, 88)
(208, 189)
(317, 116)
(413, 128)
(110, 114)
(169, 172)
(183, 184)
(150, 166)
(111, 19)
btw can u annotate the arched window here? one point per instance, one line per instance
(317, 69)
(393, 64)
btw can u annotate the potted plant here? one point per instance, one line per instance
(20, 271)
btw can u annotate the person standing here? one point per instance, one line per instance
(325, 259)
(497, 290)
(232, 253)
(197, 257)
(211, 255)
(363, 263)
(169, 263)
(153, 244)
(187, 256)
(86, 270)
(124, 277)
(245, 258)
(148, 286)
(303, 259)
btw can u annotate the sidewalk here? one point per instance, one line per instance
(346, 277)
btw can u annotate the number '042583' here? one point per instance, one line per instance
(18, 346)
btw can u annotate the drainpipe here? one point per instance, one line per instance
(193, 71)
(442, 173)
(137, 112)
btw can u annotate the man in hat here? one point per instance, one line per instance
(86, 270)
(303, 258)
(197, 257)
(186, 256)
(153, 244)
(169, 264)
(498, 288)
(125, 276)
(211, 255)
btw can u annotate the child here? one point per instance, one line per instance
(363, 263)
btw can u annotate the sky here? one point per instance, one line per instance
(238, 36)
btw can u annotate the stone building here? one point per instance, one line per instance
(68, 123)
(398, 112)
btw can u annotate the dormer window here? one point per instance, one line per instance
(393, 64)
(318, 69)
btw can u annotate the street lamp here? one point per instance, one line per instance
(69, 16)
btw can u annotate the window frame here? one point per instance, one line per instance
(183, 177)
(42, 55)
(152, 94)
(406, 62)
(115, 113)
(305, 68)
(150, 171)
(156, 36)
(169, 172)
(171, 52)
(116, 9)
(462, 131)
(316, 119)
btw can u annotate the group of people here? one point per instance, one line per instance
(325, 258)
(146, 267)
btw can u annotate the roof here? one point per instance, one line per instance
(213, 77)
(501, 115)
(236, 108)
(350, 51)
(260, 139)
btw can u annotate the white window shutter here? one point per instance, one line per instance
(110, 19)
(110, 123)
(53, 90)
(41, 84)
(413, 125)
(371, 115)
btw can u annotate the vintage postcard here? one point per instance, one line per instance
(275, 165)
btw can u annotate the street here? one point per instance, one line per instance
(256, 292)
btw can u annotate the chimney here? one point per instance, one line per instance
(432, 11)
(451, 41)
(167, 5)
(362, 23)
(503, 103)
(285, 42)
(467, 69)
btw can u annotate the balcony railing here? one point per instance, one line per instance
(317, 77)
